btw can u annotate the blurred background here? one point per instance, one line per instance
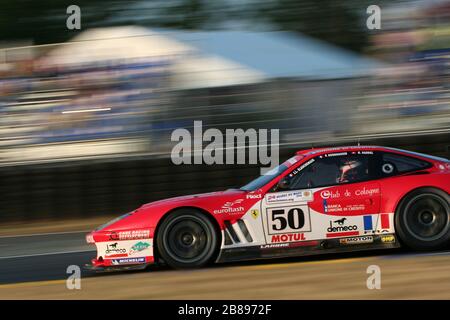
(86, 115)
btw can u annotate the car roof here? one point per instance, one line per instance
(324, 150)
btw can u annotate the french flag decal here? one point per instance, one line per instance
(369, 222)
(368, 225)
(385, 224)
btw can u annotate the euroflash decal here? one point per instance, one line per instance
(231, 207)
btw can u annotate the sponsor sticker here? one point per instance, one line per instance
(356, 240)
(275, 245)
(288, 237)
(130, 235)
(387, 168)
(367, 192)
(328, 194)
(114, 250)
(388, 239)
(128, 261)
(125, 249)
(289, 196)
(231, 207)
(254, 196)
(138, 247)
(336, 207)
(340, 228)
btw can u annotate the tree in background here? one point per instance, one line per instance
(44, 21)
(340, 22)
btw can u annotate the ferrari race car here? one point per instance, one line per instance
(319, 201)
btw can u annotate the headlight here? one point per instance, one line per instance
(90, 238)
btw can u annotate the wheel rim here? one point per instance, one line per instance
(187, 239)
(427, 217)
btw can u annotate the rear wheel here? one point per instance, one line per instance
(187, 239)
(423, 219)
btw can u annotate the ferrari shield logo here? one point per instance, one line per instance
(255, 213)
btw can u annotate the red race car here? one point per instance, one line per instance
(319, 201)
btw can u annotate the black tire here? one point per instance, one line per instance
(187, 239)
(422, 220)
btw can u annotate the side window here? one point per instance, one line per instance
(393, 164)
(332, 170)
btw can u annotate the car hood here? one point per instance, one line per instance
(194, 197)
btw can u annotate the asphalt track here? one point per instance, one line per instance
(34, 267)
(42, 257)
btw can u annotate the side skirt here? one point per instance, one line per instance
(307, 248)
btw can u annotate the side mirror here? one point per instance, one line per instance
(283, 184)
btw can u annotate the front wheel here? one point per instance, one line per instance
(187, 239)
(423, 219)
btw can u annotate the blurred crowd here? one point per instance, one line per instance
(413, 91)
(88, 102)
(131, 105)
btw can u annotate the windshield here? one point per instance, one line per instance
(272, 174)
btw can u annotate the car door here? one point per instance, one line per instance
(347, 210)
(334, 196)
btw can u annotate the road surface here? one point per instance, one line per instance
(34, 267)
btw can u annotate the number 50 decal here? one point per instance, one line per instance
(288, 219)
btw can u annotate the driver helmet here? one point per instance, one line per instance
(349, 171)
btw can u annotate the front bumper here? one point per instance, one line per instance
(99, 263)
(115, 252)
(96, 267)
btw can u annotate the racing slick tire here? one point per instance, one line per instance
(187, 239)
(422, 220)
